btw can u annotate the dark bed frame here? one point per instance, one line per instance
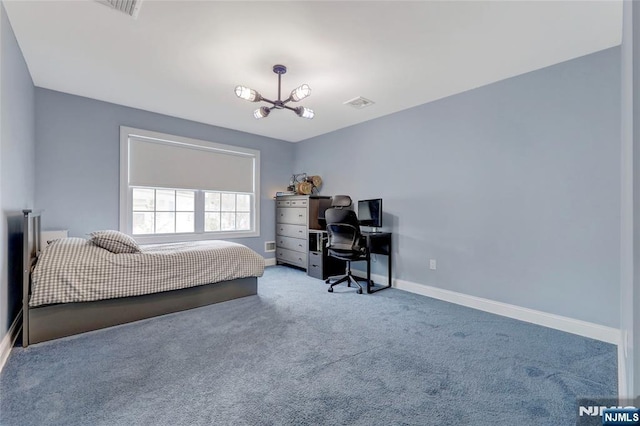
(48, 322)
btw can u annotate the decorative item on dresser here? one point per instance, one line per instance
(295, 216)
(303, 184)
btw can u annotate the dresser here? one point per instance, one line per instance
(295, 216)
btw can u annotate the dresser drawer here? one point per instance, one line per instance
(299, 203)
(296, 244)
(293, 215)
(287, 230)
(293, 257)
(283, 203)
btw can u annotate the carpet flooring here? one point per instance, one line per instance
(298, 355)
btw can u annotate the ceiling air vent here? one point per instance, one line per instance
(359, 102)
(130, 7)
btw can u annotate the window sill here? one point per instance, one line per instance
(174, 238)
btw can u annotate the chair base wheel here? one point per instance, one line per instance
(330, 290)
(359, 291)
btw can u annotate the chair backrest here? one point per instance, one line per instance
(343, 229)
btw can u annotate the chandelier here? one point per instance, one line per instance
(296, 95)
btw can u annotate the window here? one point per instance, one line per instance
(226, 212)
(174, 188)
(163, 211)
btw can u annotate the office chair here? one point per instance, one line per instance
(345, 240)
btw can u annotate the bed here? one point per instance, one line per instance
(75, 285)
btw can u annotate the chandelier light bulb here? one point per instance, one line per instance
(261, 112)
(305, 112)
(247, 94)
(300, 93)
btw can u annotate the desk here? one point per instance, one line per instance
(378, 243)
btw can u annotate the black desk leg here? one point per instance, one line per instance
(368, 272)
(389, 272)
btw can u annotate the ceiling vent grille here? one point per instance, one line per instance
(130, 7)
(359, 102)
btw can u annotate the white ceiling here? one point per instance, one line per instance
(184, 58)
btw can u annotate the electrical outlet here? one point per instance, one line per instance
(432, 264)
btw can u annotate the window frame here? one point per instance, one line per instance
(126, 191)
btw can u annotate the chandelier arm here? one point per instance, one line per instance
(290, 108)
(268, 101)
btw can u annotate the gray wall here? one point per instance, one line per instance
(514, 188)
(77, 161)
(17, 143)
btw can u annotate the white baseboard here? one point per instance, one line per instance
(270, 262)
(557, 322)
(9, 339)
(623, 388)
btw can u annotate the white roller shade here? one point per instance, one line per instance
(175, 165)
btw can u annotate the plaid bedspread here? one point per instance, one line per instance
(76, 270)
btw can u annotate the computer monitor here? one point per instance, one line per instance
(370, 212)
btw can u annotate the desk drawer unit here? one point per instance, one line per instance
(315, 265)
(320, 264)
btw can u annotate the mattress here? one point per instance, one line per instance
(76, 270)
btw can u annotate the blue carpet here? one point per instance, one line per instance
(298, 355)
